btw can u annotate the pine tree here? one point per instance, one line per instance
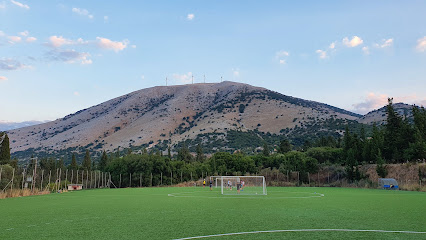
(4, 149)
(392, 136)
(169, 154)
(265, 150)
(200, 155)
(380, 168)
(61, 164)
(284, 147)
(351, 165)
(74, 165)
(103, 162)
(184, 154)
(87, 162)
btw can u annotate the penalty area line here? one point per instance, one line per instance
(302, 230)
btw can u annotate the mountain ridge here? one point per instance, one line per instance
(166, 115)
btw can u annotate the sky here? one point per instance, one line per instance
(58, 57)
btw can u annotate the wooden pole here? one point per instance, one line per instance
(60, 177)
(87, 178)
(171, 177)
(161, 183)
(50, 175)
(119, 184)
(318, 180)
(309, 180)
(34, 175)
(91, 179)
(66, 177)
(23, 180)
(42, 174)
(82, 177)
(76, 179)
(1, 170)
(140, 180)
(151, 179)
(181, 179)
(13, 176)
(130, 180)
(95, 180)
(72, 175)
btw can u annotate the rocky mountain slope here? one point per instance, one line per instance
(379, 116)
(166, 115)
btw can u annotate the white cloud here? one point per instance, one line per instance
(3, 78)
(385, 43)
(375, 100)
(82, 12)
(24, 33)
(133, 46)
(14, 39)
(2, 5)
(106, 43)
(236, 72)
(282, 54)
(69, 56)
(190, 16)
(2, 34)
(31, 39)
(355, 41)
(366, 50)
(11, 64)
(321, 54)
(56, 41)
(332, 45)
(421, 44)
(21, 5)
(183, 78)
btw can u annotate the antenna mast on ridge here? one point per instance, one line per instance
(166, 81)
(221, 79)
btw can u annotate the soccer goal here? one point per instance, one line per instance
(243, 185)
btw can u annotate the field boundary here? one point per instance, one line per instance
(301, 230)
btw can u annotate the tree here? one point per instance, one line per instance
(184, 154)
(103, 162)
(380, 168)
(74, 165)
(4, 149)
(200, 156)
(169, 154)
(241, 108)
(284, 147)
(61, 164)
(351, 165)
(87, 162)
(265, 150)
(392, 137)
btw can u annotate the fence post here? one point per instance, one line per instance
(318, 180)
(130, 180)
(171, 177)
(42, 174)
(151, 179)
(309, 179)
(13, 176)
(119, 184)
(140, 180)
(1, 170)
(180, 177)
(161, 178)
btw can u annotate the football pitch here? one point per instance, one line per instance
(176, 213)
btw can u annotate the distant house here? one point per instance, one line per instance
(72, 187)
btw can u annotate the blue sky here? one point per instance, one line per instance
(57, 57)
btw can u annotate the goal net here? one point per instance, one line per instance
(243, 185)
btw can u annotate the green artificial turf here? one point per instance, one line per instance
(169, 213)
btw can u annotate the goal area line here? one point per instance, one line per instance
(302, 230)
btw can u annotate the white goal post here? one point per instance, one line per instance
(242, 185)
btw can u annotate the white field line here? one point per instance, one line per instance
(315, 195)
(302, 230)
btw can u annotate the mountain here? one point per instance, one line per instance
(4, 126)
(379, 116)
(223, 116)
